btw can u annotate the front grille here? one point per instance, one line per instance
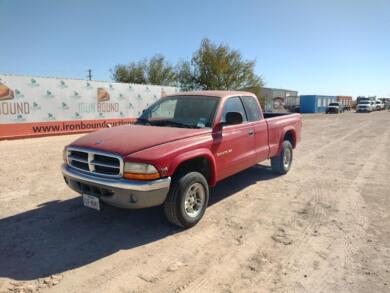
(95, 162)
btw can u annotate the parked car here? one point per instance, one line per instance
(335, 107)
(178, 148)
(380, 105)
(364, 106)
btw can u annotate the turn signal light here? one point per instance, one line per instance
(135, 176)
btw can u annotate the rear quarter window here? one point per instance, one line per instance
(233, 104)
(251, 108)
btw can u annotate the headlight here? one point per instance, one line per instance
(140, 171)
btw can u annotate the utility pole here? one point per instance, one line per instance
(89, 76)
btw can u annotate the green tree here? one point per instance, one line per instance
(261, 99)
(186, 77)
(160, 72)
(134, 72)
(153, 71)
(217, 67)
(212, 67)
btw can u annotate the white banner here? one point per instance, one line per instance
(38, 99)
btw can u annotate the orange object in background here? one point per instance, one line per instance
(346, 101)
(37, 129)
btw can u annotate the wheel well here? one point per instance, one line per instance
(290, 136)
(199, 164)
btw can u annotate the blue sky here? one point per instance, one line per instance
(335, 47)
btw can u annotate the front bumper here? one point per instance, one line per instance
(130, 194)
(363, 110)
(332, 110)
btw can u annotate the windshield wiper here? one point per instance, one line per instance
(172, 123)
(143, 121)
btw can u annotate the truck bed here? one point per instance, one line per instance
(278, 124)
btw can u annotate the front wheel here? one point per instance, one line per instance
(187, 200)
(281, 164)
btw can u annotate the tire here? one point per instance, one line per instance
(190, 189)
(281, 164)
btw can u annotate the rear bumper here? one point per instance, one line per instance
(122, 193)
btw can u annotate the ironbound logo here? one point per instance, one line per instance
(33, 83)
(62, 84)
(75, 95)
(102, 95)
(18, 94)
(48, 94)
(10, 107)
(5, 93)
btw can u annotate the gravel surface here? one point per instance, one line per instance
(323, 227)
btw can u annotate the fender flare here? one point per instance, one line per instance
(203, 152)
(294, 136)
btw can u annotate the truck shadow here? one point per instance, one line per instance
(238, 182)
(62, 235)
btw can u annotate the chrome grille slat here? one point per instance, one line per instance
(95, 162)
(74, 158)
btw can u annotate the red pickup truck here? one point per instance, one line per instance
(178, 148)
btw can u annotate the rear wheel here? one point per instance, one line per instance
(281, 164)
(187, 200)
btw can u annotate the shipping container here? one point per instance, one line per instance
(346, 101)
(315, 103)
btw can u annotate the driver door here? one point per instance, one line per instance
(234, 145)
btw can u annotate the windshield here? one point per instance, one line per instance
(333, 104)
(181, 111)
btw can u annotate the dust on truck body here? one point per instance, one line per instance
(179, 147)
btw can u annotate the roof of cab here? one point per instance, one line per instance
(221, 94)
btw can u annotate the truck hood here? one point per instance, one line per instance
(127, 139)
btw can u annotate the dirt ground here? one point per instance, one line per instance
(323, 227)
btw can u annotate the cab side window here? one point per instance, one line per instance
(233, 104)
(251, 108)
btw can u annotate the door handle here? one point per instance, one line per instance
(250, 132)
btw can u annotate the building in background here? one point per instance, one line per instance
(279, 100)
(315, 103)
(346, 101)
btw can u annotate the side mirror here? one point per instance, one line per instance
(233, 118)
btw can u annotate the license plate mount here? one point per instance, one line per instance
(91, 201)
